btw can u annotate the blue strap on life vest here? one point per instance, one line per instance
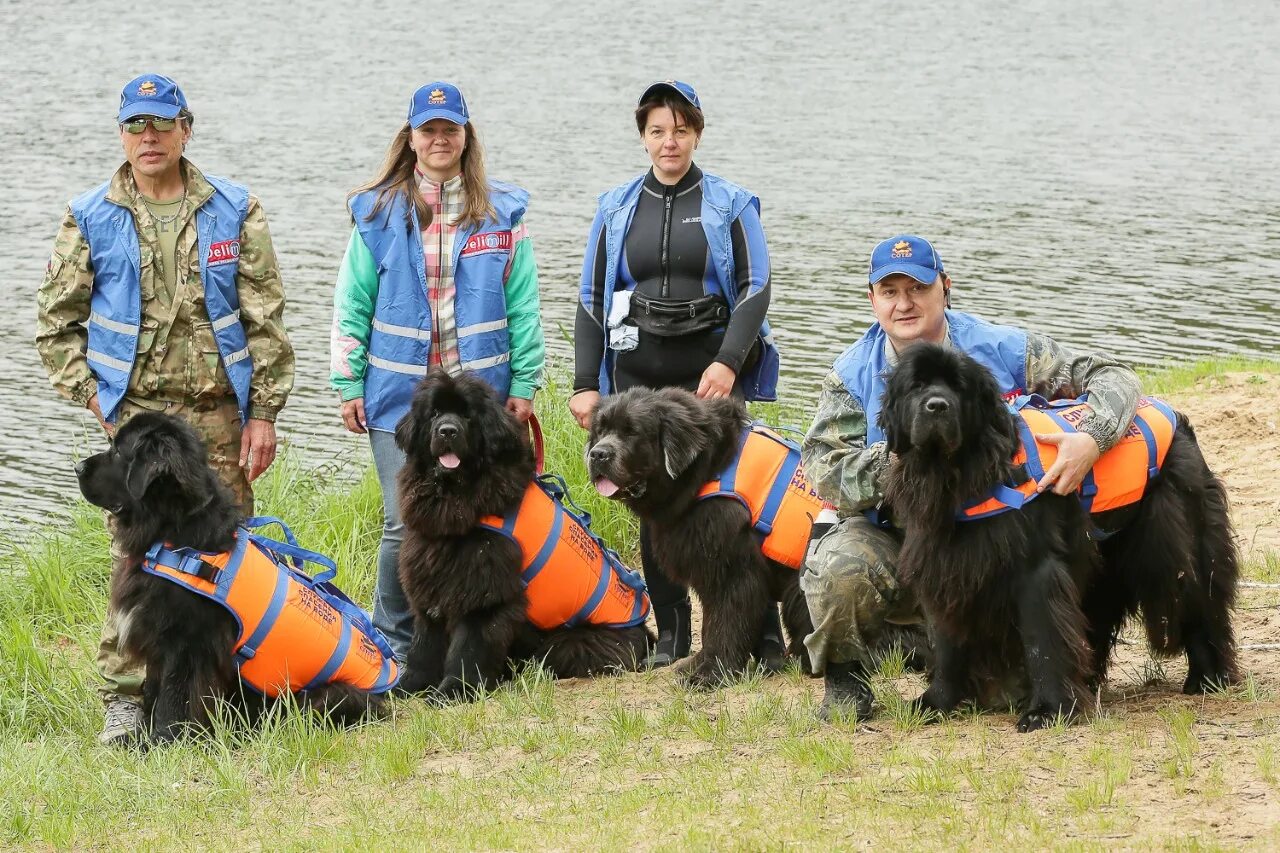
(548, 545)
(290, 551)
(778, 491)
(729, 476)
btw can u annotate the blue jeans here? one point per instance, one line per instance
(391, 612)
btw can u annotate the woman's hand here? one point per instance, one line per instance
(521, 408)
(353, 416)
(583, 406)
(717, 381)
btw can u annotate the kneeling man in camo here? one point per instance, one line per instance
(851, 581)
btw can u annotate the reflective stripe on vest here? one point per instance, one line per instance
(767, 478)
(115, 313)
(295, 633)
(400, 338)
(1119, 477)
(570, 577)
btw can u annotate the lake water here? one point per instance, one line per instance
(1106, 173)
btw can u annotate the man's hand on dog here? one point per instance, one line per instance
(257, 447)
(1077, 451)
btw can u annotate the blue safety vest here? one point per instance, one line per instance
(400, 340)
(115, 308)
(864, 366)
(722, 203)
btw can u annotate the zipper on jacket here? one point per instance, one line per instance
(668, 198)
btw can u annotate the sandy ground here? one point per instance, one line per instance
(1237, 421)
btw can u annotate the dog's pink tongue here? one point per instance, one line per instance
(606, 487)
(450, 460)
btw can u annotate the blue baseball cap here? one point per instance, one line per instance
(438, 100)
(684, 90)
(908, 254)
(151, 95)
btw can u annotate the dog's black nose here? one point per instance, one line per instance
(447, 430)
(937, 405)
(80, 468)
(601, 454)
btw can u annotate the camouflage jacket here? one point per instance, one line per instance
(177, 358)
(849, 473)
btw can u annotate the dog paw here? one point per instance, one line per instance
(1033, 721)
(1200, 682)
(925, 710)
(703, 673)
(1044, 716)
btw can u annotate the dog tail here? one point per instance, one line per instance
(592, 650)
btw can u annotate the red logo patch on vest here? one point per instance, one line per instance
(225, 252)
(493, 241)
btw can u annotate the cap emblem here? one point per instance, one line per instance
(147, 89)
(901, 249)
(436, 96)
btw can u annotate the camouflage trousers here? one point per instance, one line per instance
(850, 582)
(218, 424)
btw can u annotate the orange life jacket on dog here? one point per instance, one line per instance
(1119, 477)
(296, 632)
(766, 477)
(570, 577)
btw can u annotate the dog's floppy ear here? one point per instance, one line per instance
(894, 409)
(413, 428)
(498, 428)
(140, 474)
(167, 456)
(680, 435)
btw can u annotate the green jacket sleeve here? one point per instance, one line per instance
(524, 322)
(354, 299)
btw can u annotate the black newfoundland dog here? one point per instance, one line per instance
(654, 451)
(156, 481)
(1027, 593)
(467, 460)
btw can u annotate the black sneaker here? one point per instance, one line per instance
(848, 693)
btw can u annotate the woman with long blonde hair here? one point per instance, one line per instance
(439, 272)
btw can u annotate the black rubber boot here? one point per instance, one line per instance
(674, 634)
(848, 693)
(770, 651)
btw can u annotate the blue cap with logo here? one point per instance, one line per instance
(682, 89)
(151, 95)
(438, 100)
(906, 254)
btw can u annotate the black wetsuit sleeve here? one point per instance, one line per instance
(588, 330)
(751, 269)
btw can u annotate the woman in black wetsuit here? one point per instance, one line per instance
(675, 287)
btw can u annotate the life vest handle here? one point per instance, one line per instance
(298, 556)
(539, 448)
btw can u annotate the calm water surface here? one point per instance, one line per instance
(1104, 173)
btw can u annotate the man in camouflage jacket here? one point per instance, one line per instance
(850, 578)
(176, 358)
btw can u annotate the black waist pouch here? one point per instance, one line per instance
(669, 318)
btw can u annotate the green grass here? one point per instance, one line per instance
(623, 762)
